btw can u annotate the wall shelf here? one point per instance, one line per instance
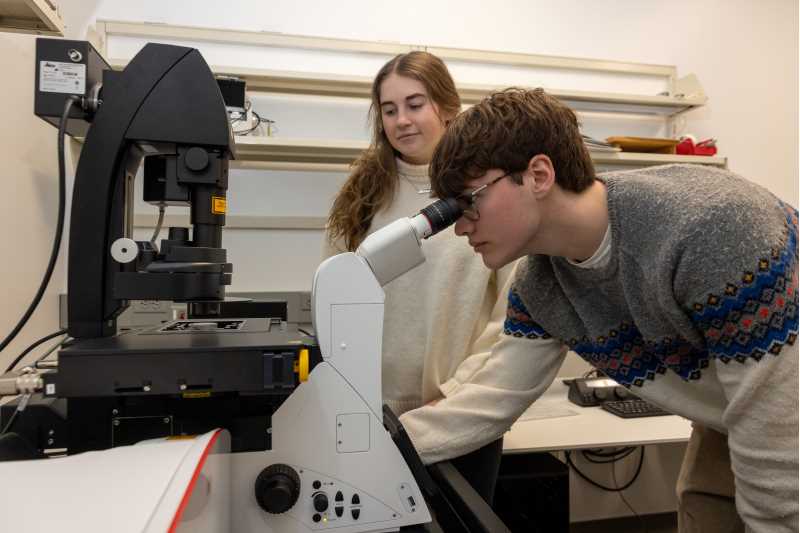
(40, 17)
(359, 87)
(317, 84)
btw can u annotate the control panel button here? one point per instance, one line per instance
(339, 511)
(316, 484)
(339, 496)
(356, 513)
(316, 517)
(320, 502)
(355, 500)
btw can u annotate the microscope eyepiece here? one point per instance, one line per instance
(441, 214)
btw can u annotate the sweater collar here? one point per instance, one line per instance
(417, 174)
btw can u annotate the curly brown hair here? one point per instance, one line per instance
(373, 179)
(504, 131)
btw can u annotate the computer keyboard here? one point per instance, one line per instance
(633, 408)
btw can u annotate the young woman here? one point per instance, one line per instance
(447, 372)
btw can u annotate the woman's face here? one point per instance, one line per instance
(410, 118)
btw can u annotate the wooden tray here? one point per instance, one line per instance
(644, 144)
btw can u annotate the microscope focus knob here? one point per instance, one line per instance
(277, 488)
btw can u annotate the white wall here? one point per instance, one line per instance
(744, 53)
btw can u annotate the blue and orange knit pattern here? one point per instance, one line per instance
(518, 321)
(753, 317)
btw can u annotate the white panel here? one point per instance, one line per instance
(352, 433)
(356, 348)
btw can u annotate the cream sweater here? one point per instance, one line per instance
(442, 340)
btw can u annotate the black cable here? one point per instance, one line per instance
(598, 452)
(43, 358)
(603, 487)
(259, 121)
(62, 126)
(28, 350)
(608, 459)
(304, 332)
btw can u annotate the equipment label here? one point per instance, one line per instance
(218, 205)
(60, 77)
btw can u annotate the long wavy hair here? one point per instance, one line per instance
(373, 179)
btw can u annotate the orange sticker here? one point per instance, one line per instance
(219, 205)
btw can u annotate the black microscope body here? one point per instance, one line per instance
(165, 111)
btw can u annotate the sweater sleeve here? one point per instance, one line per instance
(750, 329)
(511, 365)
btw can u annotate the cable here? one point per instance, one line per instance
(603, 487)
(62, 126)
(622, 496)
(259, 121)
(607, 459)
(23, 403)
(27, 350)
(56, 346)
(597, 452)
(161, 209)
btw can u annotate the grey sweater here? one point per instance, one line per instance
(695, 311)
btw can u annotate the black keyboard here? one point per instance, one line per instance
(634, 408)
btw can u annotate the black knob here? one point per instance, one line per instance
(600, 393)
(622, 393)
(320, 502)
(277, 488)
(196, 159)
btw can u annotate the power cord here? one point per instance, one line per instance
(62, 126)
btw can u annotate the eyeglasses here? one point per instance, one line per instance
(468, 202)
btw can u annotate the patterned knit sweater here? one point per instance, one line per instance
(443, 341)
(696, 311)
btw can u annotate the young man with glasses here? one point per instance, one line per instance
(679, 282)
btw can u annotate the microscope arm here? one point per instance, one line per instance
(347, 298)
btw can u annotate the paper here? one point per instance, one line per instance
(543, 409)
